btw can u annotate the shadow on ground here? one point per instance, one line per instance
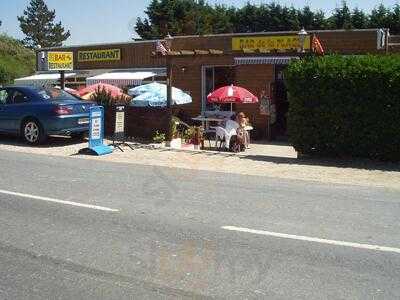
(362, 164)
(51, 142)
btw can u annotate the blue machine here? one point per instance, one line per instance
(96, 131)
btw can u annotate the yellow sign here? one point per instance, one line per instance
(99, 55)
(268, 43)
(60, 61)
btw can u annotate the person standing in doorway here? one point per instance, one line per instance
(265, 110)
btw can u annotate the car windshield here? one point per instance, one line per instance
(53, 94)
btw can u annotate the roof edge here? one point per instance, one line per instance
(205, 36)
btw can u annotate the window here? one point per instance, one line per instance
(3, 96)
(53, 94)
(18, 97)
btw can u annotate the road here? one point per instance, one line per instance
(74, 228)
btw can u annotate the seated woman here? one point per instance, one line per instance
(234, 134)
(243, 134)
(227, 130)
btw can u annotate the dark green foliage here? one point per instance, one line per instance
(15, 60)
(37, 23)
(359, 19)
(188, 17)
(345, 106)
(341, 18)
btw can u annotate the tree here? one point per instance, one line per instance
(395, 20)
(359, 19)
(380, 17)
(187, 17)
(341, 18)
(37, 23)
(311, 20)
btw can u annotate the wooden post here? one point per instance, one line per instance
(62, 80)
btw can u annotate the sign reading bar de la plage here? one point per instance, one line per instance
(60, 60)
(99, 55)
(267, 43)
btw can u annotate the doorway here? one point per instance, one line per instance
(214, 77)
(282, 103)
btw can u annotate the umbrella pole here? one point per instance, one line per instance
(231, 107)
(169, 97)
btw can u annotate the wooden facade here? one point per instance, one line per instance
(334, 41)
(133, 55)
(192, 54)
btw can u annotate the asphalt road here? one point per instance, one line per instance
(81, 229)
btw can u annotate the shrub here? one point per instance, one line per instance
(15, 60)
(345, 106)
(5, 75)
(104, 98)
(159, 137)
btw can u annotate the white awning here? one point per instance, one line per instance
(120, 79)
(42, 79)
(265, 60)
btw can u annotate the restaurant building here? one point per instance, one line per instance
(201, 64)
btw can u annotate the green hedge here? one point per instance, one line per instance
(345, 106)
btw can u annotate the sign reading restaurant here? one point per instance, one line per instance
(268, 43)
(60, 61)
(99, 55)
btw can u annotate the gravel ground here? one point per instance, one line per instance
(272, 160)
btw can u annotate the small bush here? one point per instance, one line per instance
(345, 106)
(159, 137)
(104, 98)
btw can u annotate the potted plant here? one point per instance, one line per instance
(159, 139)
(194, 136)
(176, 141)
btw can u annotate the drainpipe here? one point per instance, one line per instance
(387, 35)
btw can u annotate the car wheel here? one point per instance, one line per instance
(32, 132)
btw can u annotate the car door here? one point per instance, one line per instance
(15, 108)
(4, 115)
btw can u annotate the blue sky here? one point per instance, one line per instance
(93, 21)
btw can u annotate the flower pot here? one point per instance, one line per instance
(175, 143)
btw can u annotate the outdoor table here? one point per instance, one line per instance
(206, 124)
(207, 120)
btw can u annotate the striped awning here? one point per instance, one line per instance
(265, 60)
(120, 79)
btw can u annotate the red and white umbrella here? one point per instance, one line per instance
(231, 94)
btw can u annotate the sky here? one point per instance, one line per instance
(104, 21)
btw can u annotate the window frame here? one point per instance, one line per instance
(7, 97)
(13, 94)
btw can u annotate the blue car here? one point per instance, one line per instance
(34, 113)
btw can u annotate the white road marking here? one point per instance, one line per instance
(313, 239)
(58, 201)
